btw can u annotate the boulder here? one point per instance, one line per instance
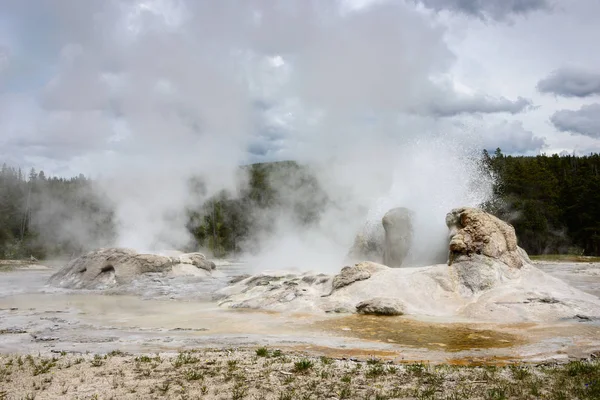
(475, 232)
(398, 227)
(349, 275)
(368, 244)
(198, 260)
(381, 306)
(111, 267)
(387, 242)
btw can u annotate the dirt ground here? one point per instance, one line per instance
(265, 373)
(166, 341)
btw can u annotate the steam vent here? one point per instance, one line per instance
(487, 277)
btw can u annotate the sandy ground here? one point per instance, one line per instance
(172, 314)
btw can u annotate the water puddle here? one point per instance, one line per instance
(406, 332)
(78, 319)
(130, 312)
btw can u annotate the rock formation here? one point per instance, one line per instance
(368, 244)
(473, 231)
(107, 268)
(387, 242)
(398, 236)
(380, 306)
(483, 250)
(488, 278)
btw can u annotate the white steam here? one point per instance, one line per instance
(152, 93)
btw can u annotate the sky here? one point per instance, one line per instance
(100, 86)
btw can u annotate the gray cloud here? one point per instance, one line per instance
(149, 93)
(585, 121)
(488, 9)
(571, 82)
(513, 138)
(4, 59)
(451, 105)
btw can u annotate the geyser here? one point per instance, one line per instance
(488, 278)
(359, 94)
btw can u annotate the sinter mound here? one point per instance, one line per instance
(388, 242)
(487, 278)
(108, 268)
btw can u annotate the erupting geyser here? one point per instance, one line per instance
(487, 277)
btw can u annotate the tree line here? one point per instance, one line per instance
(552, 201)
(50, 217)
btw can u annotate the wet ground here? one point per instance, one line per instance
(174, 313)
(584, 276)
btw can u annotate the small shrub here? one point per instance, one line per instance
(262, 352)
(326, 360)
(496, 394)
(97, 361)
(578, 368)
(277, 353)
(375, 371)
(519, 373)
(184, 359)
(193, 375)
(345, 392)
(239, 391)
(44, 366)
(303, 365)
(416, 369)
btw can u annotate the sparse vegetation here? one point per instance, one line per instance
(238, 374)
(303, 365)
(262, 352)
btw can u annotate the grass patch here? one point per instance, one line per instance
(185, 358)
(262, 352)
(303, 365)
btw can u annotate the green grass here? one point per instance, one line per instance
(262, 352)
(303, 365)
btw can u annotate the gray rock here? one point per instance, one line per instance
(387, 242)
(483, 251)
(112, 267)
(368, 244)
(198, 260)
(477, 273)
(473, 231)
(349, 275)
(398, 227)
(381, 306)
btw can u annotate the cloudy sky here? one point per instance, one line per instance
(90, 86)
